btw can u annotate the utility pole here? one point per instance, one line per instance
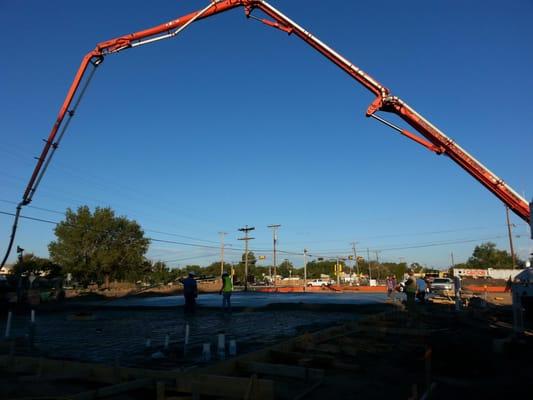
(305, 269)
(377, 260)
(246, 238)
(222, 234)
(337, 270)
(368, 261)
(510, 237)
(274, 228)
(453, 262)
(355, 257)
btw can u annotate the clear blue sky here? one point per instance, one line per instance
(235, 123)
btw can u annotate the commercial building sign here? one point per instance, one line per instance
(474, 273)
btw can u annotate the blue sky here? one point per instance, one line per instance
(235, 123)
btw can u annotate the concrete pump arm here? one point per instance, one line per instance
(433, 138)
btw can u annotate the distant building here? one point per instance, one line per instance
(486, 273)
(6, 269)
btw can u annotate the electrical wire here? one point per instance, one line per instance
(258, 251)
(120, 189)
(189, 258)
(145, 229)
(97, 230)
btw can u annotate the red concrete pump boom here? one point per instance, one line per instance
(433, 138)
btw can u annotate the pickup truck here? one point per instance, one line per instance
(318, 283)
(442, 286)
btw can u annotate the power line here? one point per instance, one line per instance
(145, 229)
(189, 258)
(323, 252)
(403, 234)
(96, 230)
(99, 182)
(34, 207)
(317, 254)
(442, 243)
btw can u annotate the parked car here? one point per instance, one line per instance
(442, 286)
(318, 283)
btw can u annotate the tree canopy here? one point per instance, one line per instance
(31, 264)
(98, 246)
(486, 255)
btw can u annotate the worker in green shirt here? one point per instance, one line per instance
(225, 291)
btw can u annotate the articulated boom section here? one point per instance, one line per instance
(434, 140)
(95, 57)
(444, 144)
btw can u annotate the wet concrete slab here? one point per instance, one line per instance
(107, 331)
(253, 300)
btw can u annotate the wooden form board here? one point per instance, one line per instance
(288, 371)
(226, 387)
(91, 372)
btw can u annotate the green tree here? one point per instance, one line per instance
(251, 258)
(396, 269)
(98, 246)
(196, 269)
(160, 273)
(416, 267)
(285, 269)
(251, 265)
(36, 265)
(486, 255)
(315, 268)
(214, 268)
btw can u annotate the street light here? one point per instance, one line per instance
(20, 252)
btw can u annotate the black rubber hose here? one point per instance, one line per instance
(13, 232)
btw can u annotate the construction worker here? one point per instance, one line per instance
(410, 290)
(190, 292)
(391, 285)
(509, 284)
(421, 287)
(225, 291)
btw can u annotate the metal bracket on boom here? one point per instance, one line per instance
(272, 24)
(436, 149)
(97, 60)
